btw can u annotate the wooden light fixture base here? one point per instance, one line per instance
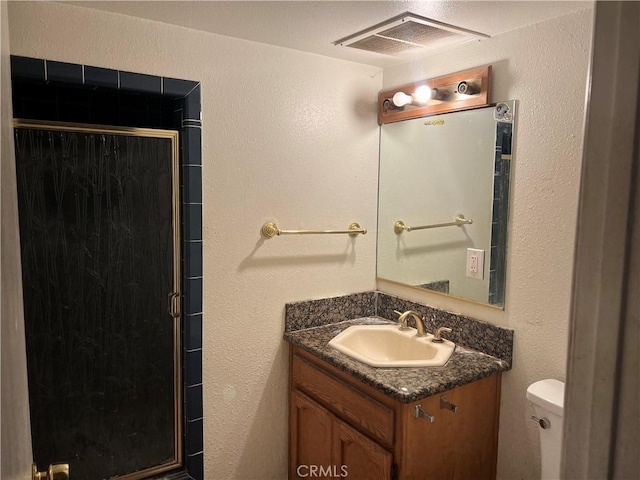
(457, 91)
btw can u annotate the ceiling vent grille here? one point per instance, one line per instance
(408, 33)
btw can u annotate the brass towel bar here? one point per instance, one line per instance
(400, 227)
(270, 230)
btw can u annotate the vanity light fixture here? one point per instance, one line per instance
(458, 91)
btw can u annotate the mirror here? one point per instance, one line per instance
(446, 179)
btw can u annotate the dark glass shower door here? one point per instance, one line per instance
(99, 234)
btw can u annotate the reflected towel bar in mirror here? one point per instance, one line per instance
(400, 226)
(270, 230)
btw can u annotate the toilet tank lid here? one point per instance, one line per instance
(547, 394)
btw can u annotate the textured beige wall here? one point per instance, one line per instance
(545, 68)
(287, 136)
(15, 436)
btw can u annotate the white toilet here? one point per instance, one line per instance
(547, 397)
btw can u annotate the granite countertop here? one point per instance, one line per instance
(405, 384)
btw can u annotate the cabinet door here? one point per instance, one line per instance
(475, 428)
(310, 437)
(356, 457)
(460, 445)
(430, 449)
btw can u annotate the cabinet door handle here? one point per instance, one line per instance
(447, 405)
(419, 412)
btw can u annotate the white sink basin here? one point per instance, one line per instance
(389, 346)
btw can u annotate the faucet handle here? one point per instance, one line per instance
(437, 337)
(402, 320)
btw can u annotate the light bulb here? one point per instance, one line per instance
(422, 94)
(401, 99)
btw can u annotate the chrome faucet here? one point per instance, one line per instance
(416, 316)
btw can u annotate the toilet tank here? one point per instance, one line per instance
(547, 397)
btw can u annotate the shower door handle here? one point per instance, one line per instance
(174, 304)
(56, 471)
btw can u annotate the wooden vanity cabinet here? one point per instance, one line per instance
(341, 427)
(322, 439)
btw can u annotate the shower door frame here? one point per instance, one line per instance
(175, 296)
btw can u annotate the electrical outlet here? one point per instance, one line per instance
(475, 263)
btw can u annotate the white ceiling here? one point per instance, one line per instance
(312, 26)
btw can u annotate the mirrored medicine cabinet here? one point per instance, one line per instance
(443, 202)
